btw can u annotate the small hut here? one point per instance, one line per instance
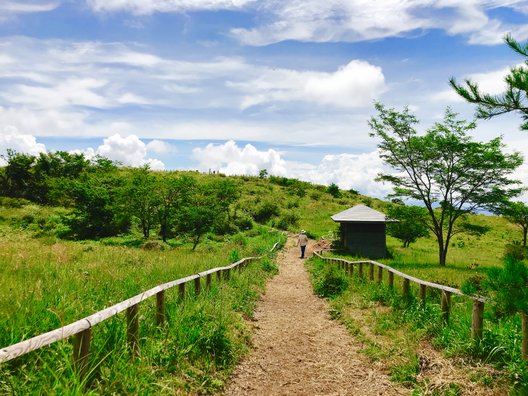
(363, 231)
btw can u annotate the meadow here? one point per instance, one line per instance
(47, 281)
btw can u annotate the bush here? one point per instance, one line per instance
(13, 202)
(330, 282)
(265, 211)
(333, 190)
(287, 220)
(515, 251)
(269, 266)
(244, 222)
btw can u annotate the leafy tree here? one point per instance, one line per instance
(443, 168)
(263, 173)
(173, 195)
(142, 198)
(515, 98)
(510, 286)
(516, 213)
(333, 190)
(411, 223)
(19, 176)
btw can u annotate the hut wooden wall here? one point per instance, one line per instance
(364, 239)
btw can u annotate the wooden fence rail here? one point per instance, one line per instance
(81, 329)
(445, 299)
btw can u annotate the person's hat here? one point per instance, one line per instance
(303, 232)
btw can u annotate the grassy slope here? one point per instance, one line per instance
(46, 282)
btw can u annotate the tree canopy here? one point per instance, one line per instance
(411, 224)
(443, 168)
(514, 99)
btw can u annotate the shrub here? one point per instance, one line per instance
(333, 190)
(316, 195)
(265, 211)
(287, 220)
(244, 222)
(330, 282)
(269, 266)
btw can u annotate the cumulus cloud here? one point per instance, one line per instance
(230, 159)
(160, 147)
(356, 171)
(10, 138)
(354, 84)
(129, 151)
(150, 6)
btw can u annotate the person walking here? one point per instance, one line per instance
(302, 241)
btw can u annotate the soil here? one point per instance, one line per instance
(299, 350)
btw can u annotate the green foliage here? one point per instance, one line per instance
(516, 213)
(510, 286)
(328, 281)
(512, 100)
(333, 190)
(412, 223)
(269, 266)
(443, 168)
(265, 211)
(287, 220)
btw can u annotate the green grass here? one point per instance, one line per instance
(401, 325)
(46, 283)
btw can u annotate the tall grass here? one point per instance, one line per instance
(44, 286)
(412, 321)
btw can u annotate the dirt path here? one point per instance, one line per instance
(298, 349)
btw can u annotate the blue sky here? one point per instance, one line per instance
(243, 85)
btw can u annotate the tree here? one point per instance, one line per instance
(333, 190)
(515, 98)
(411, 224)
(443, 168)
(142, 198)
(516, 213)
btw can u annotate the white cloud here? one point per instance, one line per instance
(20, 6)
(358, 20)
(356, 171)
(150, 6)
(129, 150)
(160, 147)
(10, 138)
(355, 84)
(230, 159)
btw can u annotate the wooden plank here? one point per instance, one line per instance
(133, 329)
(406, 287)
(42, 340)
(81, 352)
(446, 305)
(423, 294)
(477, 320)
(160, 307)
(197, 286)
(181, 291)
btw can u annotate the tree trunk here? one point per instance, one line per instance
(442, 253)
(525, 231)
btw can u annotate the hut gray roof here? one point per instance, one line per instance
(360, 214)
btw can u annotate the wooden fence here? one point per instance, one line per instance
(82, 329)
(477, 321)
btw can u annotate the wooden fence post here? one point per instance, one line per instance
(133, 328)
(350, 269)
(380, 274)
(361, 270)
(406, 288)
(423, 294)
(81, 351)
(197, 286)
(219, 276)
(371, 272)
(228, 273)
(181, 291)
(477, 322)
(391, 279)
(208, 280)
(160, 307)
(524, 323)
(446, 304)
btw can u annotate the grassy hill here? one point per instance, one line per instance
(47, 281)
